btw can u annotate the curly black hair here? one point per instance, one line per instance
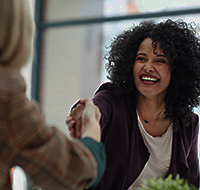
(181, 44)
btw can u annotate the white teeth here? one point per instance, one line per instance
(149, 79)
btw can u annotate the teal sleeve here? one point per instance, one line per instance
(98, 151)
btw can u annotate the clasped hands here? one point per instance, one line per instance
(83, 121)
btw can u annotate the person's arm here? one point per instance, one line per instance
(100, 158)
(48, 157)
(86, 115)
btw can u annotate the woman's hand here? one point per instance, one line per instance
(74, 120)
(83, 121)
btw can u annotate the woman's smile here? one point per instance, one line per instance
(149, 79)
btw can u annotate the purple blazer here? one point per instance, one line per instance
(126, 151)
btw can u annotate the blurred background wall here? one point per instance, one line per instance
(71, 64)
(70, 42)
(71, 57)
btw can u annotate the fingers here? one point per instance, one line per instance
(74, 127)
(90, 120)
(91, 108)
(83, 113)
(71, 124)
(77, 111)
(77, 114)
(72, 133)
(74, 120)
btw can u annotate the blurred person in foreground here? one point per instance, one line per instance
(147, 121)
(48, 157)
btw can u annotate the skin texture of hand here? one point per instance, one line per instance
(83, 121)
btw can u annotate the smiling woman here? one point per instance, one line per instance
(147, 120)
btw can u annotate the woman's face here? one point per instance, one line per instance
(151, 71)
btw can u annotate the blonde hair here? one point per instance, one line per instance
(16, 32)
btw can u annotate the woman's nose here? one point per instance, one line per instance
(148, 67)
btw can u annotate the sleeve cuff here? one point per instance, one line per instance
(98, 152)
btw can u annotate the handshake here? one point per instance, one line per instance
(83, 121)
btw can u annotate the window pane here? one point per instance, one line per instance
(124, 7)
(72, 58)
(62, 10)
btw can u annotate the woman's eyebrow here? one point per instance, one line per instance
(161, 55)
(141, 54)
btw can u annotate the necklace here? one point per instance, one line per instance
(147, 121)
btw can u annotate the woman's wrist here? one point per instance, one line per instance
(93, 131)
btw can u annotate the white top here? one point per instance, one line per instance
(160, 155)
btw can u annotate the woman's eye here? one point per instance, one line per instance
(161, 61)
(140, 58)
